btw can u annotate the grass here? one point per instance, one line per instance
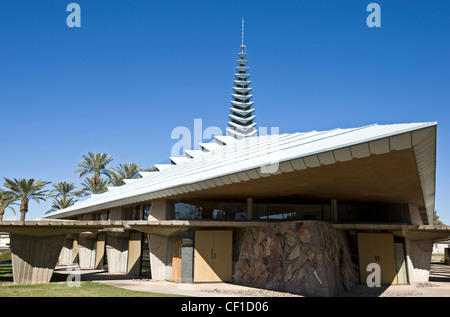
(59, 288)
(5, 256)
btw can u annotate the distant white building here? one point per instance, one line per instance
(438, 247)
(4, 240)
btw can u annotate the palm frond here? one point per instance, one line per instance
(125, 171)
(88, 186)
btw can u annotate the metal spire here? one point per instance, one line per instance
(242, 31)
(241, 123)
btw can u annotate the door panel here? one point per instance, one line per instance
(213, 256)
(223, 253)
(203, 262)
(377, 248)
(176, 261)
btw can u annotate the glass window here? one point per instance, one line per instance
(292, 209)
(146, 212)
(104, 215)
(264, 209)
(135, 212)
(213, 210)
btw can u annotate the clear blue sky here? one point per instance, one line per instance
(135, 70)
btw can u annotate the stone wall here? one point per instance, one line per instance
(305, 257)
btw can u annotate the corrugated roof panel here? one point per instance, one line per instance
(252, 153)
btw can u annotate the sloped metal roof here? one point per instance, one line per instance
(261, 156)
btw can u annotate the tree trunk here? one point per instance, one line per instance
(95, 181)
(2, 212)
(23, 209)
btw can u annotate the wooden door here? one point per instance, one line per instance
(377, 248)
(213, 256)
(176, 261)
(100, 251)
(203, 257)
(223, 256)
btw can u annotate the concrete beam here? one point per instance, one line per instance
(34, 258)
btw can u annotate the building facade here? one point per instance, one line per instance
(302, 212)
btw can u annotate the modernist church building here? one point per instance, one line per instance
(302, 212)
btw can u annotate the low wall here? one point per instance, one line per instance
(305, 257)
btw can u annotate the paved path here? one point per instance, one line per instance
(438, 286)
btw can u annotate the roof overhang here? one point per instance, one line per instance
(394, 163)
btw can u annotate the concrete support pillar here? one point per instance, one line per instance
(34, 257)
(161, 209)
(158, 256)
(187, 255)
(134, 253)
(86, 251)
(414, 215)
(65, 257)
(117, 253)
(418, 258)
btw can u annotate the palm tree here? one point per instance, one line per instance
(88, 186)
(95, 163)
(62, 203)
(26, 190)
(436, 220)
(64, 189)
(125, 171)
(64, 195)
(7, 198)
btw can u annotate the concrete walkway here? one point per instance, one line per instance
(438, 286)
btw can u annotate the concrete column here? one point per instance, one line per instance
(86, 251)
(187, 255)
(414, 215)
(34, 257)
(418, 258)
(117, 253)
(65, 257)
(158, 256)
(116, 214)
(161, 209)
(134, 253)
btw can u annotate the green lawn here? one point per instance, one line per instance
(58, 288)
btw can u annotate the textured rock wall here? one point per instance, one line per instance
(305, 257)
